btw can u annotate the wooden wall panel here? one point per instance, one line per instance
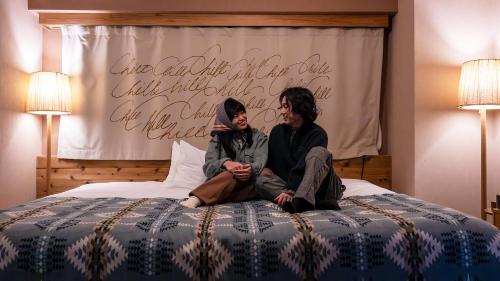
(67, 174)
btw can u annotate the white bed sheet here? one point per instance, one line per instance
(356, 187)
(147, 189)
(152, 189)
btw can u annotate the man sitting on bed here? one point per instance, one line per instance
(299, 174)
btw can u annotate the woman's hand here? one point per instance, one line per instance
(231, 166)
(240, 171)
(283, 197)
(243, 173)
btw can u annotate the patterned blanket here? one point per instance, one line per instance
(379, 237)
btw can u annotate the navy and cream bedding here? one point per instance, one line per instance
(382, 236)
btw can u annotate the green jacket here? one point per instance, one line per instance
(256, 155)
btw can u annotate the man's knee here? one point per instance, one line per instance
(320, 153)
(267, 187)
(260, 183)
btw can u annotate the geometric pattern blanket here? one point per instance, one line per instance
(376, 237)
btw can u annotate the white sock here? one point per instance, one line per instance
(191, 202)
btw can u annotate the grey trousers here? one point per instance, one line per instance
(318, 164)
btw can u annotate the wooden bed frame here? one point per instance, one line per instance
(67, 174)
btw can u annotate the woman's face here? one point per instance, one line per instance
(240, 120)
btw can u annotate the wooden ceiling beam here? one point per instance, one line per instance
(195, 19)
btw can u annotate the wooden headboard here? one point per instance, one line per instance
(67, 174)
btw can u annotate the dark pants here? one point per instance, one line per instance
(318, 166)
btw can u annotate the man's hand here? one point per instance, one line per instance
(283, 197)
(243, 173)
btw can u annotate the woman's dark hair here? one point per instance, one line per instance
(232, 108)
(302, 101)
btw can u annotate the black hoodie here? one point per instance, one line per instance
(286, 156)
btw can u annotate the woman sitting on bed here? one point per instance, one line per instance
(235, 157)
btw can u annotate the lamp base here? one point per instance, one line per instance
(483, 163)
(49, 153)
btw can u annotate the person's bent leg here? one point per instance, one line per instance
(243, 191)
(216, 189)
(268, 185)
(318, 164)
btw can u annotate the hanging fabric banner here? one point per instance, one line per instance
(137, 89)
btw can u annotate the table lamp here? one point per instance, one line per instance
(49, 94)
(479, 89)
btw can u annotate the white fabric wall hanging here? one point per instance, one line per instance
(137, 89)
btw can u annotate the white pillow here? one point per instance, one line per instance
(192, 154)
(187, 169)
(174, 162)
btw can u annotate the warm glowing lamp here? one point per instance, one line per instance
(49, 94)
(479, 89)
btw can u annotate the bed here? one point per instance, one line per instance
(139, 231)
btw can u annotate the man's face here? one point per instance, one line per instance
(289, 117)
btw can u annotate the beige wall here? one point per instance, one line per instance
(436, 147)
(447, 140)
(398, 120)
(493, 150)
(20, 135)
(494, 131)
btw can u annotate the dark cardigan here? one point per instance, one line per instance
(286, 157)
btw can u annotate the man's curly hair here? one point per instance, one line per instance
(302, 101)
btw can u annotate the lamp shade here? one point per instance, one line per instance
(479, 86)
(49, 93)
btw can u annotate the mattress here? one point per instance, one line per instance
(152, 189)
(118, 233)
